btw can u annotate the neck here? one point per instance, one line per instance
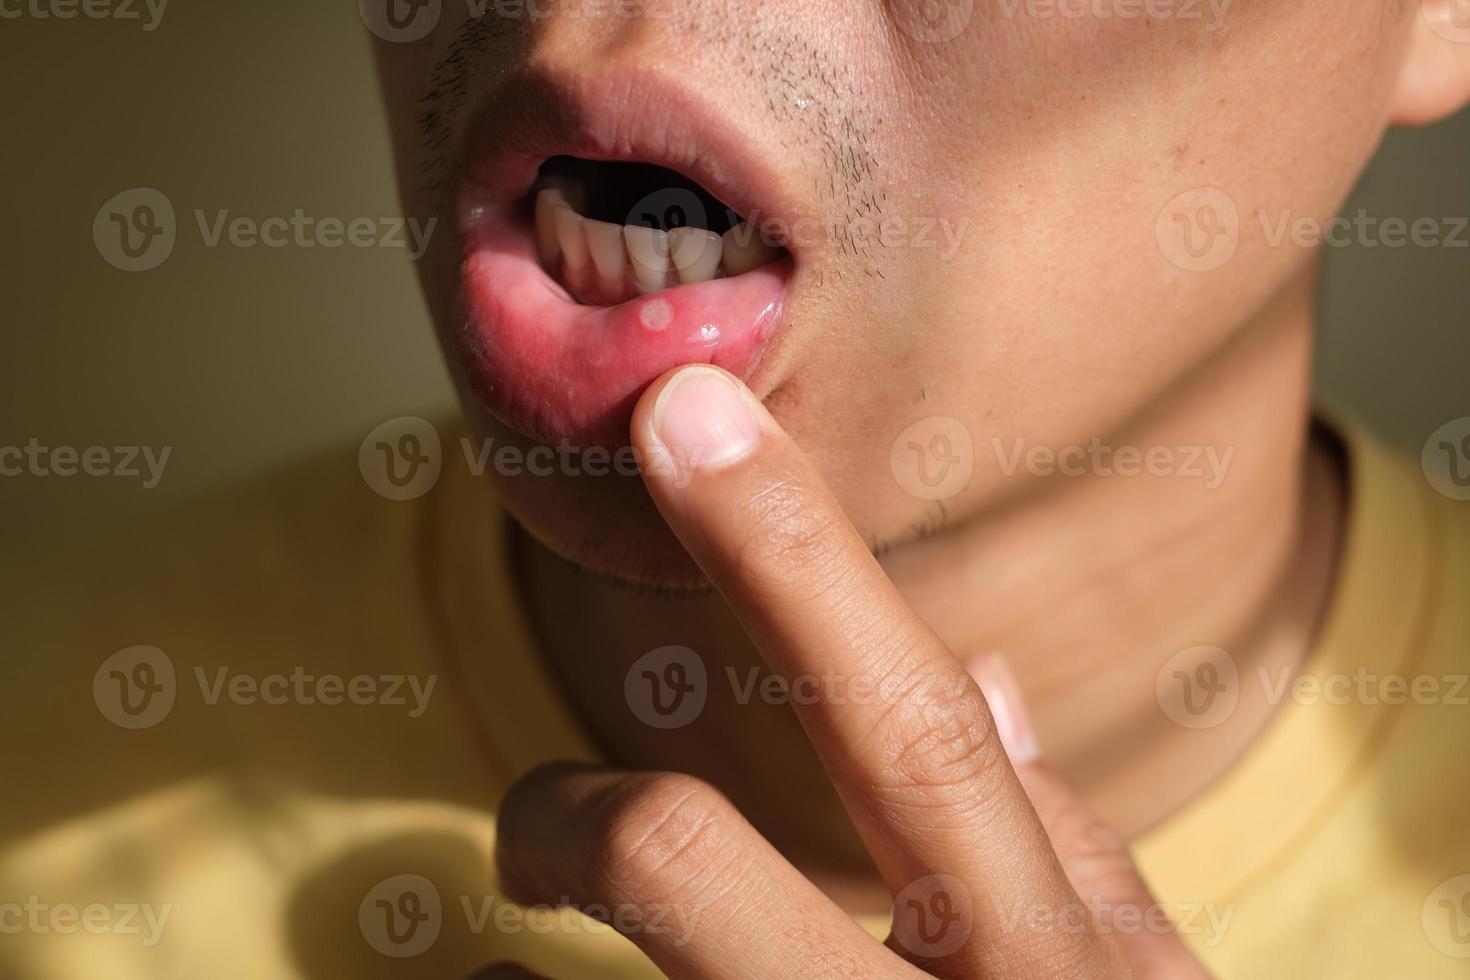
(1095, 581)
(1088, 586)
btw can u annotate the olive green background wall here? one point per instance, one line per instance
(242, 359)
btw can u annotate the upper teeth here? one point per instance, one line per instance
(566, 241)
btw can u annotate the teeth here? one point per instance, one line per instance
(571, 238)
(696, 253)
(648, 248)
(569, 243)
(605, 242)
(745, 250)
(547, 203)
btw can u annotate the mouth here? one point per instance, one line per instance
(603, 247)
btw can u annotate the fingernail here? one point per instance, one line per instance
(704, 420)
(1003, 694)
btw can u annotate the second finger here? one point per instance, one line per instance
(669, 862)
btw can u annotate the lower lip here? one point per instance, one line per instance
(565, 373)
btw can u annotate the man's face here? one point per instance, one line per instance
(1004, 219)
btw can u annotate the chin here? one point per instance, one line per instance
(605, 524)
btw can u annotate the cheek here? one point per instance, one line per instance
(1061, 127)
(1098, 159)
(1114, 196)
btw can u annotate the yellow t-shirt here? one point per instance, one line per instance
(267, 740)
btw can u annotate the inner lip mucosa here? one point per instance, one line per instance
(609, 232)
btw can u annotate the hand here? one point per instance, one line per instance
(985, 887)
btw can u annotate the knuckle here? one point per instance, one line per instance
(659, 837)
(939, 744)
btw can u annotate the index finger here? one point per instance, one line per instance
(917, 762)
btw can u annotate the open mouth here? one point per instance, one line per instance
(600, 253)
(612, 232)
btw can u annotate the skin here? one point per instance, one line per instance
(933, 784)
(1056, 144)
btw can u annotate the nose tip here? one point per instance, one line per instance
(609, 32)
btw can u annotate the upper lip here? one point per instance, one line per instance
(639, 114)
